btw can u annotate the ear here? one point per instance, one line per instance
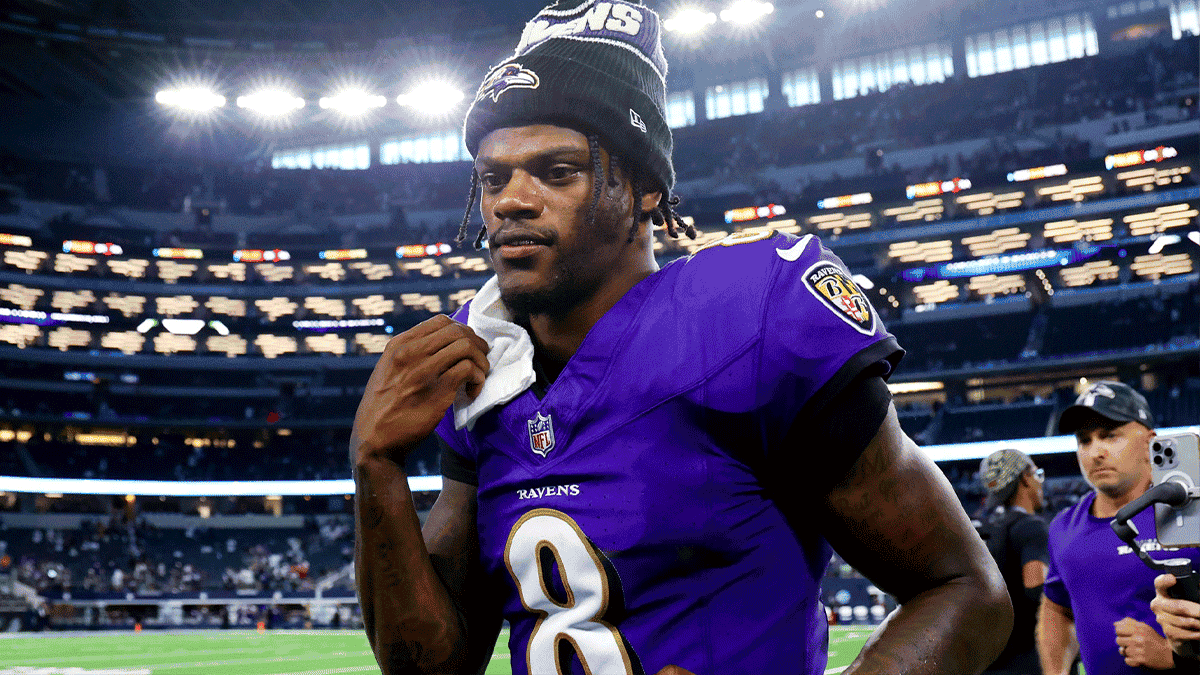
(650, 201)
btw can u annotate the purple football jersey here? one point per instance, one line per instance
(1102, 581)
(619, 514)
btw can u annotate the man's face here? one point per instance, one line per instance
(537, 187)
(1114, 457)
(1039, 497)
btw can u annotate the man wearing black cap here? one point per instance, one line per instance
(645, 469)
(1094, 581)
(1016, 538)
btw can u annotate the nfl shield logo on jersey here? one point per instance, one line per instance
(541, 434)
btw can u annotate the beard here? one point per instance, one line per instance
(564, 292)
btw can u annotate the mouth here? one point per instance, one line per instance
(513, 245)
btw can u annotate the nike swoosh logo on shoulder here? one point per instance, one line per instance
(793, 253)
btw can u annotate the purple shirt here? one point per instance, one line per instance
(1102, 581)
(620, 515)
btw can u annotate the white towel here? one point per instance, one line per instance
(511, 356)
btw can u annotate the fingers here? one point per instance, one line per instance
(1125, 628)
(1164, 581)
(463, 348)
(464, 372)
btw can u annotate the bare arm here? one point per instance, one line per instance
(897, 520)
(419, 593)
(1033, 574)
(1055, 637)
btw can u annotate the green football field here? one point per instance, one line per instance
(215, 652)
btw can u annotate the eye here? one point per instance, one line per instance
(491, 181)
(561, 172)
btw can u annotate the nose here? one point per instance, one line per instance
(518, 200)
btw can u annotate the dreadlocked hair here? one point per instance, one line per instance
(666, 214)
(597, 177)
(462, 228)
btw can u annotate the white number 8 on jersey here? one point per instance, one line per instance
(580, 619)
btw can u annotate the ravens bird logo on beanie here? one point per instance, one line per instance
(597, 66)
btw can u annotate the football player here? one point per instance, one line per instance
(645, 469)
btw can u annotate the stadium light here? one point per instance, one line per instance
(432, 98)
(1194, 237)
(1164, 241)
(820, 14)
(352, 102)
(271, 102)
(196, 99)
(690, 20)
(746, 12)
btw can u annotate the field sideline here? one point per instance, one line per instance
(248, 652)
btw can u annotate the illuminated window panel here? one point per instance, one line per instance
(929, 251)
(996, 242)
(170, 343)
(127, 305)
(985, 203)
(334, 307)
(1088, 273)
(275, 345)
(460, 298)
(171, 271)
(938, 291)
(991, 284)
(430, 303)
(275, 273)
(219, 304)
(65, 263)
(234, 271)
(925, 210)
(29, 261)
(467, 264)
(329, 343)
(372, 343)
(1060, 231)
(1073, 190)
(1159, 220)
(175, 305)
(1150, 178)
(836, 222)
(63, 338)
(276, 307)
(1158, 265)
(372, 271)
(229, 345)
(133, 268)
(21, 296)
(129, 341)
(20, 334)
(65, 301)
(426, 267)
(374, 305)
(332, 271)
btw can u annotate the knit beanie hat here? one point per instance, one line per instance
(594, 66)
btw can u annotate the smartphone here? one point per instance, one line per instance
(1177, 458)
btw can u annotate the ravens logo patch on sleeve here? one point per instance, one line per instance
(834, 288)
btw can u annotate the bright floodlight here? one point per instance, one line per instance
(746, 11)
(820, 13)
(197, 99)
(432, 98)
(271, 102)
(353, 102)
(690, 20)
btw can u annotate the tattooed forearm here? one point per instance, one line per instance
(411, 621)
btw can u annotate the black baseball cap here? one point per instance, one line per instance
(1111, 400)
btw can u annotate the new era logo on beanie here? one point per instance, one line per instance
(595, 66)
